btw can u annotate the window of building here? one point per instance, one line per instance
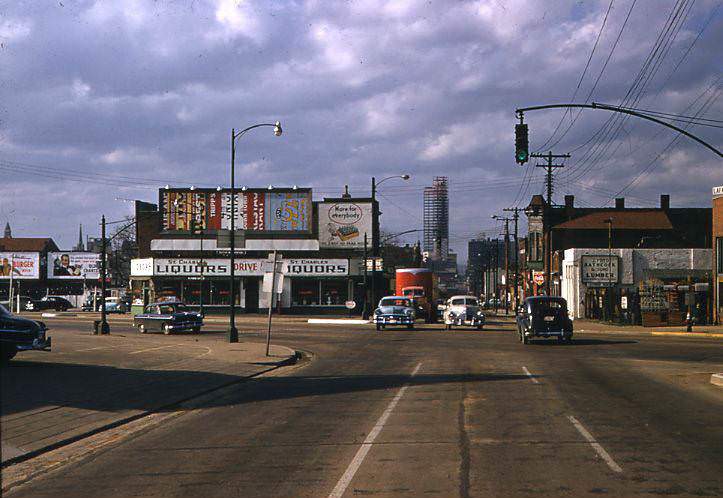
(304, 292)
(719, 253)
(333, 292)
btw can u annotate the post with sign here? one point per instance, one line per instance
(273, 289)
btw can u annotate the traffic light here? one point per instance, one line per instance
(522, 153)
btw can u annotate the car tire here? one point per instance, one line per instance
(8, 353)
(479, 326)
(142, 329)
(448, 326)
(196, 330)
(525, 340)
(379, 327)
(167, 329)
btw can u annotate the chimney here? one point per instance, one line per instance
(664, 201)
(620, 203)
(569, 201)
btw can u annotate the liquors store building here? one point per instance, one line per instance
(319, 246)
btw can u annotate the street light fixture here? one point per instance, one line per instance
(233, 331)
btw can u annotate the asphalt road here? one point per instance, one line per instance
(435, 413)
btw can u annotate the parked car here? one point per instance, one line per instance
(24, 300)
(92, 302)
(543, 316)
(115, 305)
(168, 317)
(395, 310)
(56, 303)
(463, 311)
(20, 334)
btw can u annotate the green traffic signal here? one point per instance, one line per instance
(522, 154)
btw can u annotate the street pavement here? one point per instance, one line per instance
(432, 413)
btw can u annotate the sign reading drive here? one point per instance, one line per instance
(599, 270)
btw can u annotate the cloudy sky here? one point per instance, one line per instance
(110, 100)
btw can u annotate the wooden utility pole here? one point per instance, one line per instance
(515, 217)
(548, 210)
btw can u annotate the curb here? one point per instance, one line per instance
(717, 379)
(293, 358)
(338, 321)
(706, 335)
(53, 315)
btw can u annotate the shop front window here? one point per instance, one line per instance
(304, 292)
(333, 292)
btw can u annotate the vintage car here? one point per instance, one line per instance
(168, 317)
(463, 311)
(115, 305)
(56, 303)
(20, 334)
(395, 310)
(543, 316)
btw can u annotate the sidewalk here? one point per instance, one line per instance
(64, 398)
(586, 326)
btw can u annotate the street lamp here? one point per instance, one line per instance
(233, 331)
(375, 238)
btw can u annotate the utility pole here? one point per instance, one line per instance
(365, 309)
(507, 265)
(497, 273)
(104, 327)
(515, 218)
(548, 210)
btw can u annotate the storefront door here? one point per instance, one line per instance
(251, 286)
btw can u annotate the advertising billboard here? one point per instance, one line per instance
(22, 265)
(599, 270)
(344, 224)
(261, 210)
(77, 265)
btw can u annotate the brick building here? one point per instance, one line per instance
(717, 245)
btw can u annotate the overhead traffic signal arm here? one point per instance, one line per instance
(612, 108)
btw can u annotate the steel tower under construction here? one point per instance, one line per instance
(436, 219)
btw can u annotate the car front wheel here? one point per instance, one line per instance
(167, 328)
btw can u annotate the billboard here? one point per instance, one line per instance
(599, 270)
(73, 265)
(22, 265)
(254, 210)
(344, 224)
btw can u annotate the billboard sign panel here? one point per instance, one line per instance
(344, 224)
(254, 210)
(22, 265)
(599, 270)
(75, 265)
(311, 267)
(210, 267)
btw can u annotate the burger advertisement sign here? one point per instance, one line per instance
(343, 224)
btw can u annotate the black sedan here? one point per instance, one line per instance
(20, 334)
(168, 317)
(543, 316)
(56, 303)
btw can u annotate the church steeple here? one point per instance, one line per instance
(80, 247)
(8, 232)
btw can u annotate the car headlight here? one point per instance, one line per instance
(409, 312)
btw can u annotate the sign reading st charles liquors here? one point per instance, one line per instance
(315, 267)
(343, 224)
(599, 270)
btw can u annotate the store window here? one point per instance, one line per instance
(333, 292)
(304, 292)
(719, 253)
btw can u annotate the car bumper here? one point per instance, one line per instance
(394, 320)
(186, 325)
(548, 333)
(39, 344)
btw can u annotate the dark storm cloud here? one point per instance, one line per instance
(150, 90)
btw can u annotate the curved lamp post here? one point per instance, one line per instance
(233, 331)
(375, 239)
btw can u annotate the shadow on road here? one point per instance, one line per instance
(28, 386)
(578, 342)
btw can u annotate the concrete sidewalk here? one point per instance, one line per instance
(54, 400)
(710, 331)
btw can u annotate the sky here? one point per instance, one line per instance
(102, 102)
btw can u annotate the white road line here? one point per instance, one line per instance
(527, 372)
(356, 462)
(596, 446)
(92, 349)
(154, 349)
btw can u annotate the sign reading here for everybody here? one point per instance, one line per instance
(599, 270)
(344, 224)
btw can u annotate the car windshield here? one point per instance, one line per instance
(166, 309)
(458, 301)
(549, 307)
(395, 302)
(472, 302)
